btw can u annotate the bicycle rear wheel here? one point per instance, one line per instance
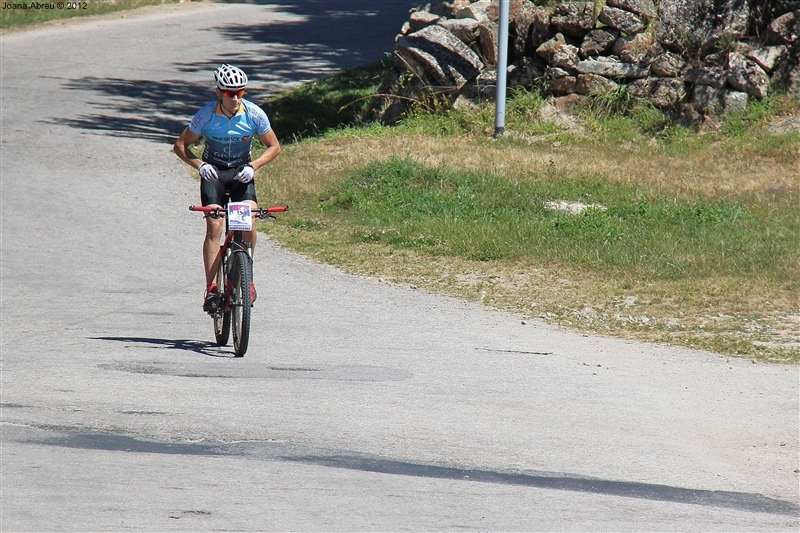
(222, 316)
(240, 275)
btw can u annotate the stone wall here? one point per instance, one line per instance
(708, 55)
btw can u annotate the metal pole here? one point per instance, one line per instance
(502, 70)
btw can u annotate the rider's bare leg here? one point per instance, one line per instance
(250, 236)
(214, 229)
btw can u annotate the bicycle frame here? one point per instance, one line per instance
(233, 239)
(234, 270)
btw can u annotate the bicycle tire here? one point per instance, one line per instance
(222, 316)
(240, 275)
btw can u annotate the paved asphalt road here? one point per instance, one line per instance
(360, 405)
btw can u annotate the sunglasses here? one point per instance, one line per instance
(231, 94)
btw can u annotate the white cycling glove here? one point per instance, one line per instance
(245, 174)
(208, 172)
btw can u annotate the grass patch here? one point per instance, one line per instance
(626, 231)
(19, 18)
(692, 240)
(323, 106)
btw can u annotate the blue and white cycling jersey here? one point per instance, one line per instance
(228, 140)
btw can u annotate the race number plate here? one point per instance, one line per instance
(239, 217)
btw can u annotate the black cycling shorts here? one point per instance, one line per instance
(215, 192)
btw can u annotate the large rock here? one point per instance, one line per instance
(767, 56)
(464, 29)
(532, 28)
(476, 10)
(562, 81)
(439, 56)
(667, 92)
(612, 68)
(734, 100)
(662, 92)
(558, 53)
(488, 32)
(710, 76)
(668, 65)
(566, 57)
(763, 12)
(715, 101)
(574, 18)
(421, 19)
(785, 29)
(747, 76)
(598, 42)
(514, 7)
(695, 26)
(592, 83)
(641, 88)
(633, 49)
(643, 8)
(622, 20)
(707, 99)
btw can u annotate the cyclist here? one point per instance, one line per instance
(227, 125)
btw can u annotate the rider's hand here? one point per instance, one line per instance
(245, 174)
(208, 172)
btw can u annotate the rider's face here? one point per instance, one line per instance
(230, 99)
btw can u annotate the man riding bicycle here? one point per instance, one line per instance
(227, 125)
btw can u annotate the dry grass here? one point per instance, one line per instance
(312, 167)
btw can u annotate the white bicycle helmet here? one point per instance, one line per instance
(230, 78)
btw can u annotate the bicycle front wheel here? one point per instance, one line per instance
(222, 316)
(240, 275)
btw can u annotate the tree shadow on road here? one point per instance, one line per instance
(143, 109)
(312, 39)
(321, 37)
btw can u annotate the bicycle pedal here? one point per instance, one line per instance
(211, 303)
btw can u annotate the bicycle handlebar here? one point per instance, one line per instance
(260, 212)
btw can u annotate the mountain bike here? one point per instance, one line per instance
(234, 275)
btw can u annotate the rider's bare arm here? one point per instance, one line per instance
(270, 140)
(182, 150)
